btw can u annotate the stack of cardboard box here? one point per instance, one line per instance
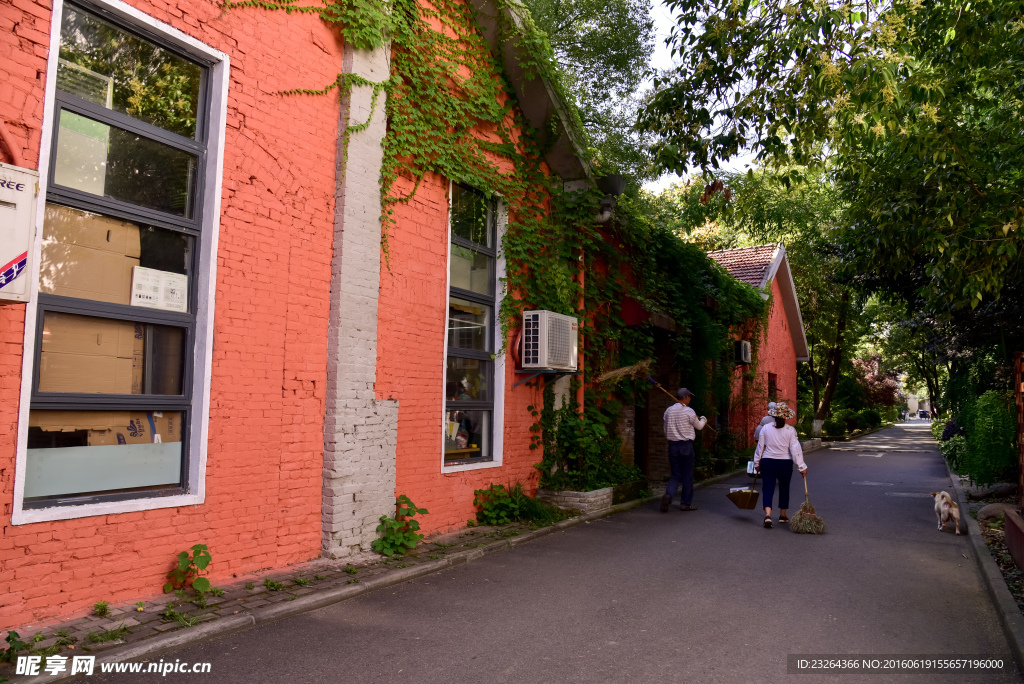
(88, 256)
(94, 355)
(112, 427)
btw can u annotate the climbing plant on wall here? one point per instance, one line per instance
(451, 111)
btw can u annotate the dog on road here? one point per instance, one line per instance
(946, 510)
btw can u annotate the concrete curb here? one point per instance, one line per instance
(158, 645)
(1009, 613)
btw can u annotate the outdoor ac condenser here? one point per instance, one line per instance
(742, 351)
(550, 341)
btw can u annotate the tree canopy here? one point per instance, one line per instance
(915, 109)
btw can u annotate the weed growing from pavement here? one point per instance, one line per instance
(272, 585)
(354, 580)
(319, 577)
(250, 585)
(100, 609)
(217, 591)
(118, 632)
(350, 569)
(302, 581)
(399, 534)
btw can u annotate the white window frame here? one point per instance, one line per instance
(205, 281)
(498, 412)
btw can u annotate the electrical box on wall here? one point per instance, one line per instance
(550, 341)
(18, 188)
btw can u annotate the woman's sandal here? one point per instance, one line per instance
(783, 518)
(768, 522)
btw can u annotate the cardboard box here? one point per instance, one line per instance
(112, 427)
(88, 256)
(95, 355)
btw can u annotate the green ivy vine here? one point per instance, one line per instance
(452, 111)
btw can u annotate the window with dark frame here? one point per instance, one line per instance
(469, 364)
(112, 382)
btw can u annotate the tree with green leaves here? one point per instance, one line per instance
(915, 106)
(765, 207)
(604, 48)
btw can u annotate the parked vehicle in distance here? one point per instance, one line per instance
(924, 414)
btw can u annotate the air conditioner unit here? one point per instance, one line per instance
(742, 351)
(550, 341)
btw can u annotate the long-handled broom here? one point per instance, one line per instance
(639, 371)
(806, 521)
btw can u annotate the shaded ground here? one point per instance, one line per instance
(707, 596)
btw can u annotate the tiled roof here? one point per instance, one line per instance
(747, 264)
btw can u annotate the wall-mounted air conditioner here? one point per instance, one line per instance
(742, 351)
(550, 341)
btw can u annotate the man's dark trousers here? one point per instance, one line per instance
(680, 462)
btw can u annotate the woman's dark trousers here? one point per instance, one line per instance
(772, 470)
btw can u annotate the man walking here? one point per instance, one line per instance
(681, 423)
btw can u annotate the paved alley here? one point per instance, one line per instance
(705, 596)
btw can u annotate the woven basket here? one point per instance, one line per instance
(745, 498)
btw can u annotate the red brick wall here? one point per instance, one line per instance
(410, 367)
(775, 354)
(263, 483)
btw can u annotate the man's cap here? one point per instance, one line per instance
(683, 393)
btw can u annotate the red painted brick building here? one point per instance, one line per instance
(781, 344)
(209, 347)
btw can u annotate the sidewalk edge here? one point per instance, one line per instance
(1010, 617)
(228, 625)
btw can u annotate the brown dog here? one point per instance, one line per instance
(946, 509)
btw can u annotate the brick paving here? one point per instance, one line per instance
(94, 635)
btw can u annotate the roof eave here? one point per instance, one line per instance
(538, 99)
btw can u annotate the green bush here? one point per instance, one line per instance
(499, 506)
(834, 427)
(937, 427)
(890, 414)
(954, 451)
(496, 506)
(871, 418)
(991, 453)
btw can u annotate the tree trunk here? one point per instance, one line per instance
(835, 358)
(814, 380)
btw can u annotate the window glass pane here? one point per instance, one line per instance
(111, 162)
(107, 356)
(471, 270)
(89, 256)
(469, 325)
(468, 380)
(101, 63)
(90, 452)
(467, 435)
(472, 216)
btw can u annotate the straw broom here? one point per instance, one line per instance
(639, 371)
(806, 521)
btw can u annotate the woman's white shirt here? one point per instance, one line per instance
(780, 443)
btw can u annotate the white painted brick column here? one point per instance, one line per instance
(360, 432)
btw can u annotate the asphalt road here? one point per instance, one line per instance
(705, 596)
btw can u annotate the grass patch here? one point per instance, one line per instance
(118, 632)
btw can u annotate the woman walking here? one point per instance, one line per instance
(778, 447)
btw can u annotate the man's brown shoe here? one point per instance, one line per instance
(666, 500)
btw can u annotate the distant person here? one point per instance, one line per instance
(767, 420)
(681, 424)
(777, 449)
